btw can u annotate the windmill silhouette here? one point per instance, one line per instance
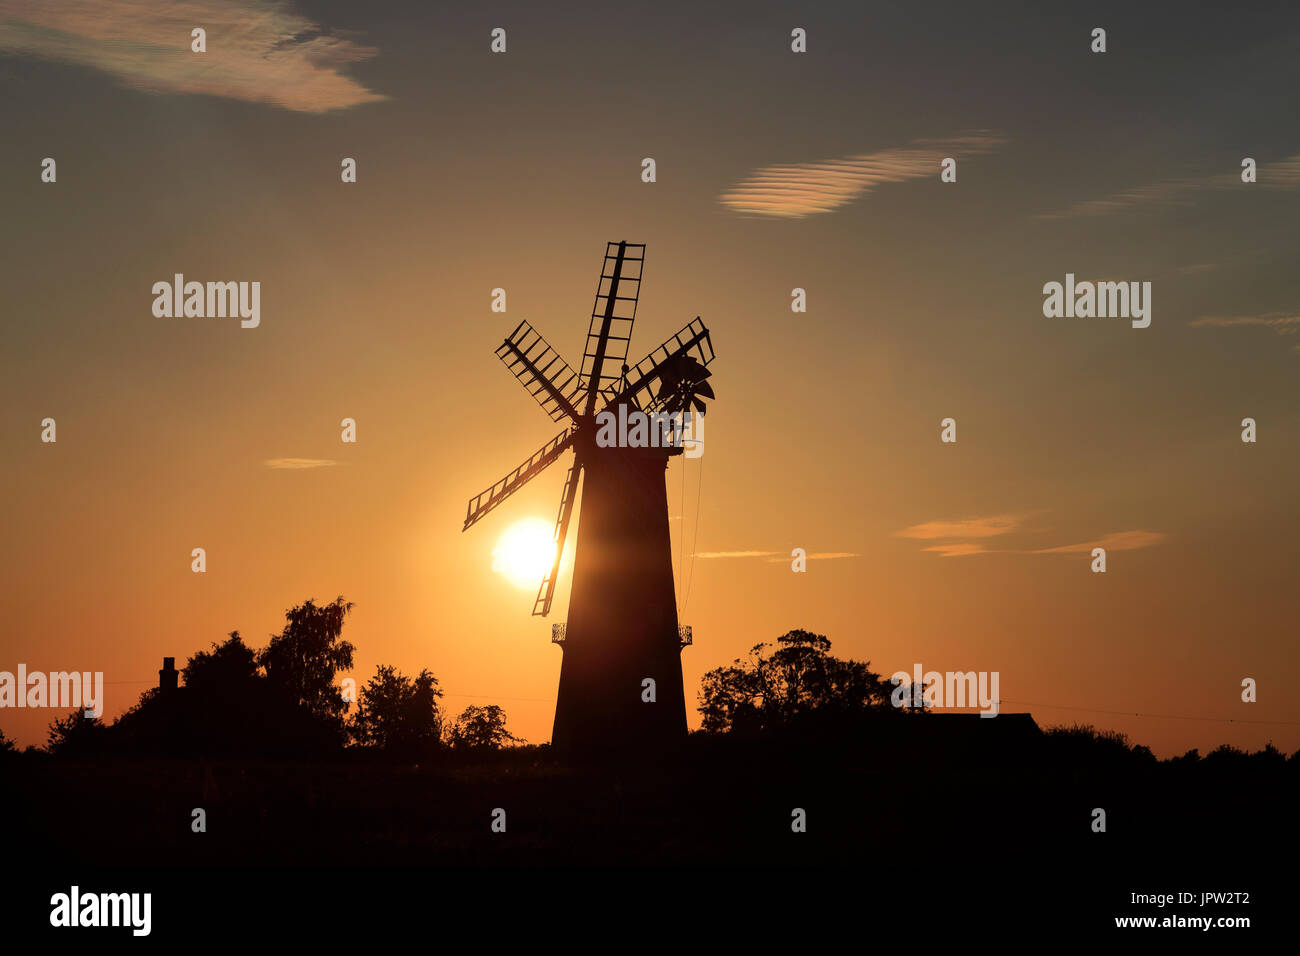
(622, 628)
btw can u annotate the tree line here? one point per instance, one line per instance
(285, 699)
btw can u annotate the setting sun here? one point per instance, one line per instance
(525, 552)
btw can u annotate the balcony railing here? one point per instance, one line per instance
(683, 634)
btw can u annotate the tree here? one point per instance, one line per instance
(398, 714)
(76, 735)
(481, 728)
(223, 669)
(227, 705)
(303, 659)
(787, 682)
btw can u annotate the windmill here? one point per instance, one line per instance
(622, 628)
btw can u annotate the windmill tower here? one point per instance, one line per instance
(622, 627)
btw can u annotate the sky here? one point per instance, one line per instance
(775, 170)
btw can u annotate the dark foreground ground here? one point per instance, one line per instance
(919, 827)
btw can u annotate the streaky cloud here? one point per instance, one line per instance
(1283, 323)
(963, 537)
(776, 555)
(984, 527)
(819, 556)
(298, 464)
(1170, 193)
(259, 51)
(958, 549)
(734, 554)
(796, 190)
(1117, 541)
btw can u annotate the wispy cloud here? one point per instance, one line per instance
(795, 190)
(986, 527)
(294, 464)
(777, 555)
(820, 556)
(1283, 323)
(1169, 193)
(964, 535)
(959, 549)
(1183, 191)
(1117, 541)
(260, 51)
(735, 554)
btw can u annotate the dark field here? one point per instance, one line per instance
(948, 803)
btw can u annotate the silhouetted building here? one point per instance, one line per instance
(621, 676)
(972, 730)
(167, 677)
(1018, 726)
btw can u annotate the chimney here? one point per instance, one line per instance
(167, 676)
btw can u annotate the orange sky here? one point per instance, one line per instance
(924, 302)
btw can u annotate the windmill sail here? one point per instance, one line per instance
(646, 382)
(542, 606)
(539, 368)
(486, 500)
(612, 318)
